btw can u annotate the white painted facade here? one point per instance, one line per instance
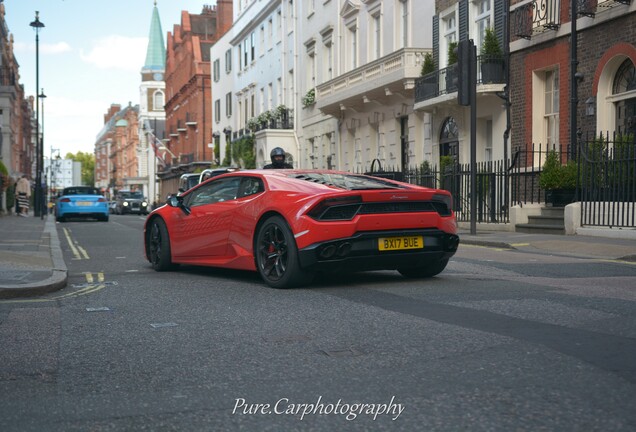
(223, 95)
(149, 117)
(62, 173)
(360, 57)
(377, 49)
(261, 78)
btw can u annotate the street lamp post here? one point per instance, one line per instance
(37, 208)
(44, 200)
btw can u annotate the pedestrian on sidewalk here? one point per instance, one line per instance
(16, 204)
(23, 189)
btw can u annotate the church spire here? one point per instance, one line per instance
(156, 53)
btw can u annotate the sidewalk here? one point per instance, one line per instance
(31, 261)
(594, 245)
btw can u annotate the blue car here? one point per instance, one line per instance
(81, 201)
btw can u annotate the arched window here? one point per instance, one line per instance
(449, 139)
(158, 101)
(625, 81)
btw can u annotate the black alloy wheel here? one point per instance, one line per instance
(277, 255)
(159, 246)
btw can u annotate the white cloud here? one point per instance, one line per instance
(71, 132)
(117, 52)
(57, 48)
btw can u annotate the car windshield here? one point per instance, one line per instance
(133, 195)
(80, 190)
(346, 181)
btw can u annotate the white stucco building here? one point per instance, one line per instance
(253, 73)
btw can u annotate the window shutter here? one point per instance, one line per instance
(499, 20)
(436, 40)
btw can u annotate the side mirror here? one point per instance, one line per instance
(172, 200)
(181, 190)
(177, 201)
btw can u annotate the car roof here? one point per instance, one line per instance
(312, 180)
(80, 190)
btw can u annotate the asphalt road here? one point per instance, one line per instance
(500, 341)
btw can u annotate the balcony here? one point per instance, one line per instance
(186, 158)
(7, 77)
(191, 119)
(595, 6)
(440, 86)
(372, 82)
(283, 119)
(535, 17)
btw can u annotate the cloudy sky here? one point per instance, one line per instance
(91, 54)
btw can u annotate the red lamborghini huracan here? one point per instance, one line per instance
(289, 224)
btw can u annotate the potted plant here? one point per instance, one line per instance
(492, 61)
(558, 181)
(451, 70)
(264, 118)
(428, 66)
(429, 76)
(280, 112)
(309, 98)
(252, 124)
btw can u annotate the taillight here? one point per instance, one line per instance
(443, 204)
(338, 208)
(65, 200)
(101, 200)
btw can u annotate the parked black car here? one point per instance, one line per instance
(187, 181)
(213, 172)
(128, 201)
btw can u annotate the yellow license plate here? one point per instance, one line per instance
(400, 243)
(84, 203)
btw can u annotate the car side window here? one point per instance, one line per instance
(217, 191)
(250, 186)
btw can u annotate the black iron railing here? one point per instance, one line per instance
(605, 186)
(535, 17)
(490, 70)
(607, 173)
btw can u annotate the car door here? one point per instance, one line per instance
(205, 231)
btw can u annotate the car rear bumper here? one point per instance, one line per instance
(69, 211)
(361, 252)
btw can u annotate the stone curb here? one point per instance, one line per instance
(55, 282)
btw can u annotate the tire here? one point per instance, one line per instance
(276, 255)
(159, 246)
(60, 218)
(104, 218)
(426, 271)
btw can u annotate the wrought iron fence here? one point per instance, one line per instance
(607, 181)
(606, 185)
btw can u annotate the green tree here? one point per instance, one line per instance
(88, 166)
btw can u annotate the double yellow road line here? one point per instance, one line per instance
(78, 251)
(88, 288)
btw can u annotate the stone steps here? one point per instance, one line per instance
(550, 221)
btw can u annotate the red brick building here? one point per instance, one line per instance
(116, 150)
(541, 71)
(17, 112)
(188, 91)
